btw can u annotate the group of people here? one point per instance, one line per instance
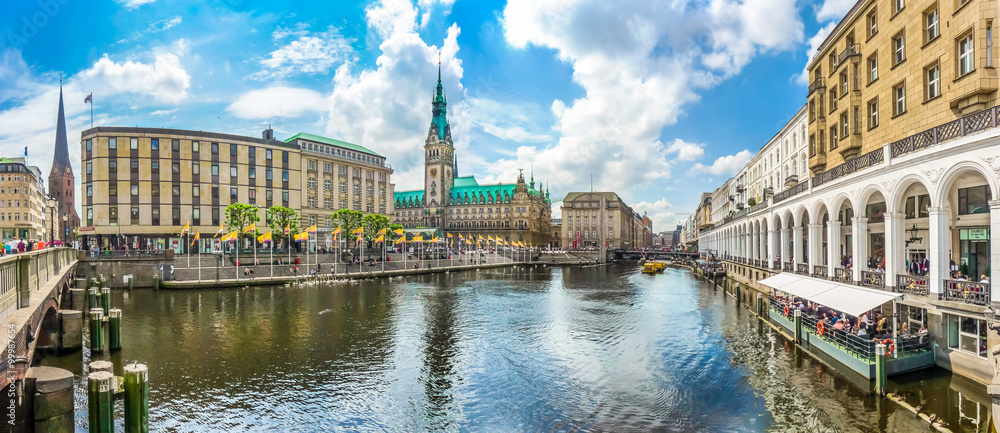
(21, 246)
(872, 325)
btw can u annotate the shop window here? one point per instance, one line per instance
(973, 200)
(967, 334)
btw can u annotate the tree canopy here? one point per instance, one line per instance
(280, 217)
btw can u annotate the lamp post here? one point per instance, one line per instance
(65, 227)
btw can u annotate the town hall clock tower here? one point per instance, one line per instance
(439, 154)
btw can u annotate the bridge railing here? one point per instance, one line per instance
(25, 273)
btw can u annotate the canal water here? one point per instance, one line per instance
(506, 350)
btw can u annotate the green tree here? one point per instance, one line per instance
(239, 216)
(373, 223)
(347, 220)
(280, 217)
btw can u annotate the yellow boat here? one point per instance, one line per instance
(649, 268)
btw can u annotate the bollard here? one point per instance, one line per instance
(798, 325)
(92, 295)
(100, 406)
(114, 329)
(738, 298)
(880, 373)
(96, 330)
(92, 282)
(156, 282)
(131, 283)
(107, 366)
(70, 329)
(105, 299)
(136, 398)
(760, 305)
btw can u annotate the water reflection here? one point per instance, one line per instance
(561, 349)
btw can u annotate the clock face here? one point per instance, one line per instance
(68, 170)
(434, 172)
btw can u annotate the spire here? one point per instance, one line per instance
(439, 122)
(532, 176)
(60, 159)
(454, 168)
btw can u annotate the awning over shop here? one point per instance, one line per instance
(850, 299)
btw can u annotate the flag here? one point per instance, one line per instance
(337, 232)
(380, 238)
(481, 238)
(89, 98)
(196, 237)
(461, 237)
(358, 240)
(220, 230)
(398, 232)
(490, 239)
(302, 236)
(418, 239)
(401, 239)
(25, 151)
(185, 229)
(288, 228)
(266, 237)
(250, 228)
(435, 240)
(229, 237)
(380, 232)
(311, 229)
(358, 231)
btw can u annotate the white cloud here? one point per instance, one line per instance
(508, 121)
(834, 9)
(133, 4)
(307, 53)
(725, 165)
(658, 211)
(639, 63)
(156, 27)
(277, 101)
(163, 112)
(686, 151)
(814, 43)
(165, 80)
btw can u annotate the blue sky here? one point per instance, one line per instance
(657, 100)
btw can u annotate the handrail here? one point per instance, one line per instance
(969, 292)
(965, 125)
(127, 254)
(852, 165)
(916, 285)
(788, 193)
(874, 280)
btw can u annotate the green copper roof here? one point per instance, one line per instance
(485, 191)
(407, 196)
(465, 181)
(330, 141)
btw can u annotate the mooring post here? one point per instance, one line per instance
(96, 330)
(100, 406)
(114, 329)
(107, 366)
(105, 299)
(156, 282)
(92, 298)
(131, 283)
(760, 305)
(880, 373)
(798, 325)
(136, 398)
(738, 298)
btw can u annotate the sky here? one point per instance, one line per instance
(655, 100)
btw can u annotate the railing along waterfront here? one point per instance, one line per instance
(874, 280)
(788, 267)
(791, 192)
(775, 264)
(41, 267)
(916, 285)
(842, 275)
(864, 161)
(127, 254)
(801, 269)
(965, 125)
(969, 292)
(820, 271)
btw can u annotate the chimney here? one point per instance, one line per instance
(268, 133)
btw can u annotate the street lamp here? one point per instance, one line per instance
(913, 235)
(65, 227)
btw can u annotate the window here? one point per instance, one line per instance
(233, 195)
(196, 168)
(232, 171)
(177, 215)
(899, 98)
(134, 166)
(215, 216)
(267, 174)
(872, 23)
(195, 146)
(312, 183)
(284, 175)
(872, 68)
(933, 77)
(233, 150)
(973, 200)
(154, 167)
(967, 334)
(326, 184)
(918, 206)
(965, 55)
(156, 215)
(112, 166)
(195, 191)
(112, 143)
(215, 169)
(989, 44)
(931, 25)
(175, 167)
(284, 198)
(90, 190)
(154, 144)
(252, 172)
(312, 165)
(284, 156)
(267, 154)
(134, 190)
(215, 148)
(113, 214)
(844, 127)
(873, 113)
(113, 188)
(135, 214)
(133, 143)
(843, 83)
(90, 167)
(176, 190)
(175, 145)
(898, 49)
(833, 138)
(90, 146)
(154, 190)
(898, 5)
(196, 216)
(215, 191)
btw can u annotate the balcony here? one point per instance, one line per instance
(842, 275)
(968, 292)
(768, 191)
(739, 206)
(916, 285)
(817, 163)
(740, 188)
(873, 280)
(853, 50)
(819, 271)
(816, 85)
(792, 180)
(869, 159)
(802, 269)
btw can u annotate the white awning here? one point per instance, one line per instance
(850, 299)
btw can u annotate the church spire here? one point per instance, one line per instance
(60, 159)
(439, 123)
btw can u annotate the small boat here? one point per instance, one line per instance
(649, 268)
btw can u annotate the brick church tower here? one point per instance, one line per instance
(62, 181)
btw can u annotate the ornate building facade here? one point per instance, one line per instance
(517, 211)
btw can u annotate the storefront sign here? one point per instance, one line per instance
(977, 234)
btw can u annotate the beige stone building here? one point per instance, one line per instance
(893, 68)
(22, 202)
(596, 219)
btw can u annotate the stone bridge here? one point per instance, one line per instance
(659, 255)
(31, 288)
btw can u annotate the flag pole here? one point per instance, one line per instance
(91, 110)
(199, 259)
(188, 249)
(270, 249)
